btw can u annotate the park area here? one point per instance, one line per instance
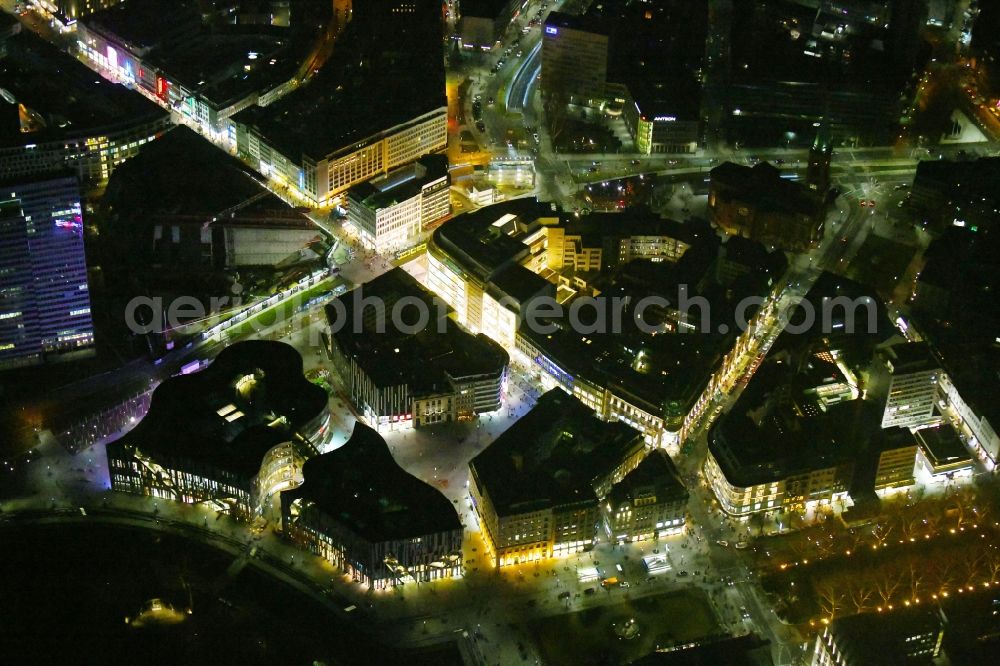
(918, 550)
(621, 633)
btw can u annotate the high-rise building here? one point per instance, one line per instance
(391, 211)
(914, 387)
(820, 154)
(574, 57)
(44, 298)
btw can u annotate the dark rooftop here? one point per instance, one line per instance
(483, 8)
(65, 97)
(400, 184)
(384, 71)
(422, 360)
(748, 650)
(146, 24)
(207, 52)
(942, 446)
(773, 42)
(655, 475)
(227, 414)
(481, 247)
(765, 188)
(183, 175)
(520, 283)
(911, 357)
(677, 97)
(585, 23)
(554, 455)
(362, 487)
(888, 635)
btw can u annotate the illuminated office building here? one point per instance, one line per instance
(230, 436)
(389, 213)
(399, 377)
(375, 522)
(574, 57)
(44, 296)
(913, 388)
(650, 502)
(56, 116)
(537, 488)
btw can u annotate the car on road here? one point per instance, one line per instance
(590, 591)
(564, 595)
(744, 613)
(740, 545)
(481, 126)
(681, 574)
(723, 543)
(625, 584)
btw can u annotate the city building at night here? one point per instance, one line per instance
(230, 436)
(56, 115)
(802, 433)
(361, 511)
(186, 205)
(488, 266)
(575, 57)
(649, 502)
(942, 455)
(205, 67)
(632, 60)
(401, 377)
(903, 637)
(390, 212)
(537, 488)
(44, 294)
(67, 12)
(957, 193)
(794, 67)
(913, 391)
(347, 126)
(482, 23)
(757, 203)
(663, 116)
(954, 308)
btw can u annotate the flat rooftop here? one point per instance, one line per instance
(228, 415)
(764, 187)
(912, 357)
(887, 635)
(181, 174)
(773, 42)
(422, 360)
(360, 486)
(62, 96)
(484, 8)
(147, 23)
(385, 71)
(208, 53)
(766, 437)
(655, 475)
(942, 446)
(584, 23)
(400, 184)
(553, 455)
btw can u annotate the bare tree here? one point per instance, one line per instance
(881, 532)
(830, 598)
(887, 583)
(916, 575)
(860, 591)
